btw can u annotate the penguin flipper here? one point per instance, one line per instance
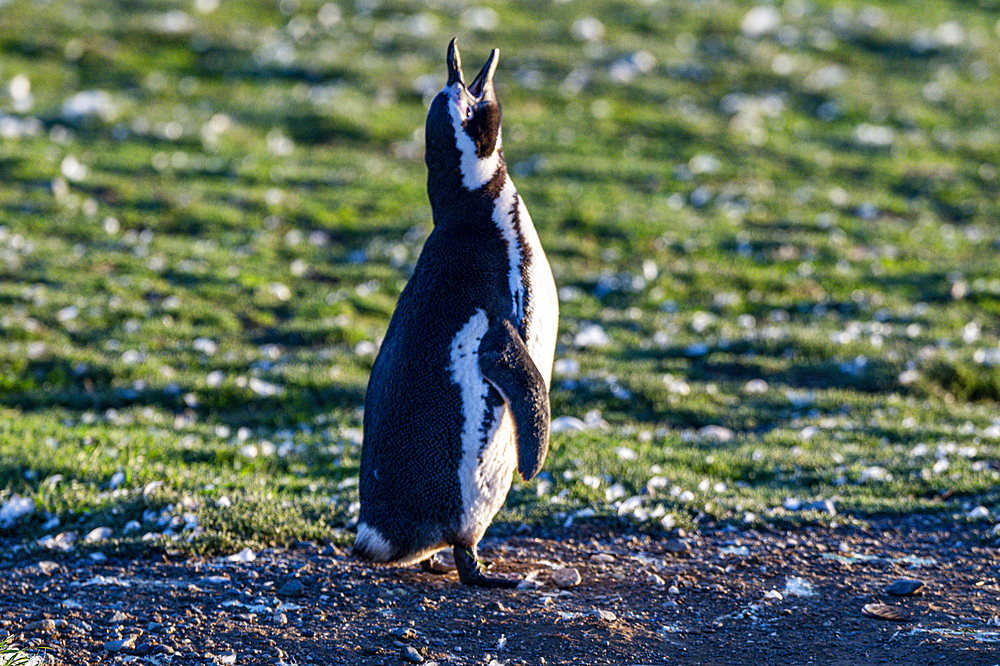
(507, 366)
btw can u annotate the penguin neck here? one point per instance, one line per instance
(454, 204)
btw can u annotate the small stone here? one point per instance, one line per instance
(143, 649)
(411, 655)
(442, 563)
(529, 582)
(883, 612)
(48, 566)
(291, 588)
(120, 644)
(602, 558)
(654, 579)
(41, 626)
(716, 433)
(98, 534)
(567, 577)
(592, 336)
(605, 615)
(404, 633)
(676, 546)
(118, 617)
(245, 555)
(903, 587)
(163, 649)
(760, 21)
(823, 506)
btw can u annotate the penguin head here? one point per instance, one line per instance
(463, 124)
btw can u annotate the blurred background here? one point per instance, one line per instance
(774, 228)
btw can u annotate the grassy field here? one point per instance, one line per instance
(775, 230)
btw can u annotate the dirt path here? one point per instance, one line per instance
(729, 598)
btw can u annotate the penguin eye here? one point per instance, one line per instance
(468, 113)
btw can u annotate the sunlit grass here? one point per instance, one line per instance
(776, 253)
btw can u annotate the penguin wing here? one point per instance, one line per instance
(507, 366)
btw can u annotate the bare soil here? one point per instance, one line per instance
(732, 597)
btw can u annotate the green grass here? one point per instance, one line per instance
(792, 239)
(11, 656)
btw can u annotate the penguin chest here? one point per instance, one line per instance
(534, 301)
(488, 454)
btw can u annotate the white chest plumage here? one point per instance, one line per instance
(489, 456)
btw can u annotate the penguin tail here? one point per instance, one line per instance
(371, 545)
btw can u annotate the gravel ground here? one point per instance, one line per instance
(736, 597)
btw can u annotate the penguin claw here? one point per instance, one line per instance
(472, 572)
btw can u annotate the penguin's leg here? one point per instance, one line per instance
(507, 366)
(470, 571)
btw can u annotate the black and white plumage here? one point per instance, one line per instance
(458, 395)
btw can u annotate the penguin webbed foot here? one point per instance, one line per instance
(472, 572)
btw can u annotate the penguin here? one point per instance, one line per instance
(457, 399)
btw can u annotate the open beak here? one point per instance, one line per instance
(482, 86)
(454, 64)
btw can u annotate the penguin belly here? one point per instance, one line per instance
(489, 456)
(439, 452)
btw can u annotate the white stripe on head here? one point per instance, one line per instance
(476, 171)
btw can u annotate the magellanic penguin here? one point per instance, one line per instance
(458, 395)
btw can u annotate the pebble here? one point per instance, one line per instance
(602, 558)
(98, 534)
(760, 20)
(605, 615)
(567, 577)
(883, 612)
(120, 644)
(245, 555)
(716, 433)
(48, 566)
(411, 655)
(529, 583)
(654, 579)
(41, 626)
(404, 633)
(592, 336)
(676, 545)
(291, 588)
(822, 505)
(903, 587)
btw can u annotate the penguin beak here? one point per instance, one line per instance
(454, 64)
(482, 86)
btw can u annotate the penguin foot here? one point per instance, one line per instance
(471, 572)
(438, 563)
